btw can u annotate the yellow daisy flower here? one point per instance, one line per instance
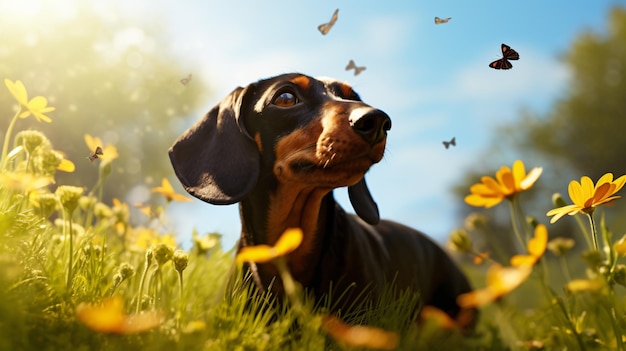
(500, 281)
(109, 317)
(586, 197)
(536, 248)
(508, 183)
(287, 243)
(36, 106)
(167, 190)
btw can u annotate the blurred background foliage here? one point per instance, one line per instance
(109, 76)
(581, 134)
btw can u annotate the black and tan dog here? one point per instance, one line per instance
(279, 147)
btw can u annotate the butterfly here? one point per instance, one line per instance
(95, 154)
(451, 142)
(442, 20)
(186, 80)
(325, 28)
(357, 69)
(507, 54)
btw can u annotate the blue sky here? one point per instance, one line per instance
(433, 80)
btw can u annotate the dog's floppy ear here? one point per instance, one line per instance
(363, 203)
(215, 159)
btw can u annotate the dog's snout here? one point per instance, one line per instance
(372, 125)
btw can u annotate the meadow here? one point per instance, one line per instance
(79, 274)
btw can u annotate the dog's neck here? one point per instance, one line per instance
(265, 216)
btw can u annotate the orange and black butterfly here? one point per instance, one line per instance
(442, 20)
(507, 54)
(451, 142)
(95, 154)
(325, 28)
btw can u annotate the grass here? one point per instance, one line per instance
(78, 274)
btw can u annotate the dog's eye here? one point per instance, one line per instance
(285, 99)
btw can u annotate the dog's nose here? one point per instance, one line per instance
(371, 125)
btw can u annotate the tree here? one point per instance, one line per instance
(106, 76)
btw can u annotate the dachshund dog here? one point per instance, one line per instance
(279, 147)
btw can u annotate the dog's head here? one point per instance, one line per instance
(296, 129)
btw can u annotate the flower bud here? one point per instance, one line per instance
(475, 221)
(163, 253)
(560, 246)
(460, 241)
(126, 270)
(180, 259)
(557, 200)
(69, 196)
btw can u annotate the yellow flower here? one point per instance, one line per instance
(536, 248)
(586, 197)
(109, 152)
(65, 165)
(360, 336)
(620, 246)
(109, 317)
(22, 182)
(37, 106)
(289, 241)
(500, 282)
(580, 285)
(167, 190)
(508, 183)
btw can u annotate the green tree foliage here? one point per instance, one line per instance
(112, 77)
(586, 127)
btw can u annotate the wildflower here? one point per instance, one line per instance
(65, 165)
(69, 196)
(560, 246)
(460, 241)
(508, 183)
(167, 190)
(289, 241)
(37, 106)
(109, 152)
(586, 197)
(126, 270)
(580, 285)
(205, 243)
(180, 259)
(109, 317)
(22, 182)
(360, 336)
(475, 221)
(620, 246)
(536, 248)
(46, 203)
(163, 253)
(500, 281)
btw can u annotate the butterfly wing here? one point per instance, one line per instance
(358, 70)
(98, 151)
(509, 53)
(446, 144)
(453, 141)
(438, 20)
(350, 65)
(325, 28)
(501, 64)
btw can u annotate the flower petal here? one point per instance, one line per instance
(289, 241)
(575, 192)
(519, 173)
(531, 178)
(18, 91)
(562, 211)
(258, 253)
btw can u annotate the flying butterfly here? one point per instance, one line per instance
(507, 54)
(357, 69)
(442, 20)
(325, 28)
(451, 142)
(186, 80)
(95, 154)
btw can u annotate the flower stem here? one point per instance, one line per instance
(594, 232)
(288, 283)
(141, 283)
(7, 137)
(70, 272)
(515, 222)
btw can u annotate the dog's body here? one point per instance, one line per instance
(279, 147)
